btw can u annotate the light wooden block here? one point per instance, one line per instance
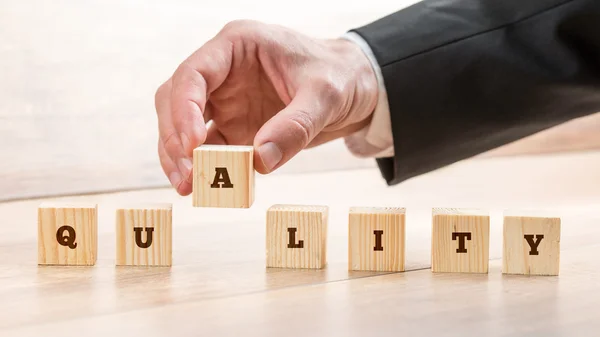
(297, 236)
(376, 238)
(460, 241)
(144, 235)
(531, 243)
(67, 234)
(223, 176)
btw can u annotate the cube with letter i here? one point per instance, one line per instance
(144, 235)
(67, 234)
(531, 243)
(297, 236)
(460, 241)
(376, 238)
(223, 176)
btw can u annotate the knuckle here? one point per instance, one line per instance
(164, 159)
(188, 82)
(330, 93)
(160, 95)
(181, 73)
(304, 126)
(239, 26)
(171, 143)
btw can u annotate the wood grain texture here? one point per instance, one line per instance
(419, 303)
(223, 176)
(460, 241)
(144, 235)
(67, 234)
(537, 254)
(297, 236)
(219, 286)
(376, 238)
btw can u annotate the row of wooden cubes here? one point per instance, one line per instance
(297, 238)
(68, 234)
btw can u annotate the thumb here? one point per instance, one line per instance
(288, 132)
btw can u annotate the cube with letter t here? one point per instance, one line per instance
(460, 241)
(223, 176)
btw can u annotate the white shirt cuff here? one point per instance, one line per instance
(376, 139)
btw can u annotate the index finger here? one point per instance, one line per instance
(193, 81)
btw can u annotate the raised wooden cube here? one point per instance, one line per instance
(531, 243)
(144, 235)
(460, 241)
(223, 176)
(67, 234)
(376, 237)
(297, 236)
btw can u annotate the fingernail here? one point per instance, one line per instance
(185, 142)
(185, 167)
(175, 179)
(270, 154)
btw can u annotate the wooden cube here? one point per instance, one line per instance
(144, 235)
(376, 238)
(531, 243)
(297, 236)
(460, 241)
(67, 234)
(223, 176)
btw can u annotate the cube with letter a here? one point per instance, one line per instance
(531, 243)
(460, 241)
(297, 236)
(223, 176)
(67, 234)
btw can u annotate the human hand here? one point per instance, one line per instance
(266, 86)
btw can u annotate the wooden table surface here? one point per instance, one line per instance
(218, 284)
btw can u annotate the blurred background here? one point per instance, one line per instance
(78, 77)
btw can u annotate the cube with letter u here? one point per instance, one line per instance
(144, 235)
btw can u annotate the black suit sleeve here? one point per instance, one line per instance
(466, 76)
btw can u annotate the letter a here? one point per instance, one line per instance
(221, 176)
(138, 237)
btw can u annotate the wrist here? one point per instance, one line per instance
(364, 88)
(376, 138)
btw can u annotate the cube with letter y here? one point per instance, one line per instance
(460, 241)
(144, 235)
(376, 238)
(223, 176)
(67, 234)
(297, 236)
(531, 243)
